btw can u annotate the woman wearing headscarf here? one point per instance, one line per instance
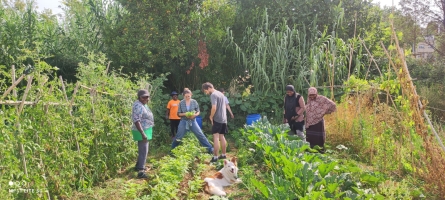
(142, 129)
(293, 111)
(317, 106)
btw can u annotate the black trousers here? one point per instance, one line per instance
(316, 135)
(174, 123)
(296, 125)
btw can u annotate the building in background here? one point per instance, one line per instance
(425, 50)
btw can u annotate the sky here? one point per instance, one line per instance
(387, 2)
(53, 4)
(50, 4)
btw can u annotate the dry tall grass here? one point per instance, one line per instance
(374, 130)
(391, 133)
(386, 138)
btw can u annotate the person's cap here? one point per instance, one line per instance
(143, 93)
(173, 93)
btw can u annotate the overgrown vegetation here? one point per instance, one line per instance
(69, 133)
(76, 137)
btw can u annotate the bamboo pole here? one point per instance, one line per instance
(72, 122)
(71, 115)
(72, 99)
(32, 103)
(420, 105)
(108, 67)
(50, 91)
(63, 88)
(28, 87)
(14, 92)
(22, 149)
(13, 86)
(372, 58)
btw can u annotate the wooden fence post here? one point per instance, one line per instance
(22, 149)
(71, 114)
(12, 86)
(46, 106)
(14, 92)
(63, 88)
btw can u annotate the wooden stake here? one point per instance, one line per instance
(63, 88)
(14, 92)
(13, 86)
(22, 149)
(372, 58)
(72, 120)
(32, 103)
(108, 66)
(50, 91)
(28, 87)
(72, 99)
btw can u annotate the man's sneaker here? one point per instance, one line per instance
(142, 175)
(214, 159)
(222, 157)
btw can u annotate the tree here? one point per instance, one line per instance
(83, 29)
(426, 13)
(171, 36)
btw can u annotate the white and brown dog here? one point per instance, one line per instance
(227, 176)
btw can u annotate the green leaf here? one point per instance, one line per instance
(325, 168)
(373, 179)
(332, 187)
(260, 186)
(243, 108)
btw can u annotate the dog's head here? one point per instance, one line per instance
(231, 169)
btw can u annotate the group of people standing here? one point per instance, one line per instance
(180, 122)
(316, 108)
